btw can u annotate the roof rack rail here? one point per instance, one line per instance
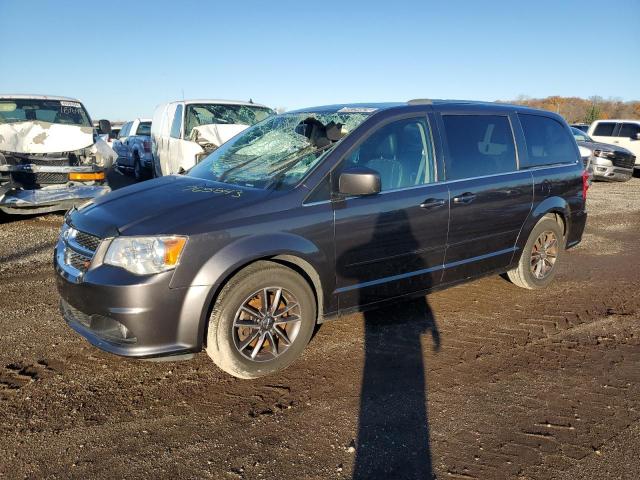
(420, 101)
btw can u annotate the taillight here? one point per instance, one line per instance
(147, 146)
(585, 184)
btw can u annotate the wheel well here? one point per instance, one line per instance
(560, 220)
(298, 265)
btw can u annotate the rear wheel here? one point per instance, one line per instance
(262, 320)
(138, 170)
(538, 262)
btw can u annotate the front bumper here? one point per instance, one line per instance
(16, 198)
(604, 169)
(158, 321)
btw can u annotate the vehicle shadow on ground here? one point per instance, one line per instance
(393, 425)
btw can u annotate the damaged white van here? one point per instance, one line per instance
(50, 155)
(185, 132)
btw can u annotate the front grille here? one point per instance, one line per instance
(76, 260)
(31, 180)
(79, 248)
(623, 161)
(88, 241)
(63, 159)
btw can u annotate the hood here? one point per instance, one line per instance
(605, 147)
(215, 134)
(43, 137)
(172, 204)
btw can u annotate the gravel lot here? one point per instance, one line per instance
(484, 380)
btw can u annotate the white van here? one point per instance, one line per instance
(623, 133)
(186, 131)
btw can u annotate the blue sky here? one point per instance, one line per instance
(123, 58)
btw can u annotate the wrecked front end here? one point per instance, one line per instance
(45, 182)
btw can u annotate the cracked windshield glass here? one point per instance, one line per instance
(279, 151)
(51, 111)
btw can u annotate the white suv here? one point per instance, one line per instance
(624, 133)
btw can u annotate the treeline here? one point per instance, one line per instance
(579, 110)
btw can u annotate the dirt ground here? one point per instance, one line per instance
(484, 381)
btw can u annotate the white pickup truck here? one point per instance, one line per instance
(186, 131)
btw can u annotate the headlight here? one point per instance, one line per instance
(145, 255)
(604, 154)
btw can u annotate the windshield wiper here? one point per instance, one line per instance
(281, 173)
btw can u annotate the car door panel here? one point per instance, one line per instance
(389, 245)
(483, 232)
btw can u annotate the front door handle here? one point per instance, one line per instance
(465, 198)
(432, 203)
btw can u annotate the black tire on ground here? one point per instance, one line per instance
(138, 169)
(523, 275)
(221, 334)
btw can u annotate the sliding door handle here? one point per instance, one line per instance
(465, 198)
(432, 203)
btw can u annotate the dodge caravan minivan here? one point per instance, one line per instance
(316, 213)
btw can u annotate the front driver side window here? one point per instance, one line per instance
(176, 125)
(400, 152)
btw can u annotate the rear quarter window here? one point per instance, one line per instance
(604, 129)
(548, 142)
(629, 130)
(479, 145)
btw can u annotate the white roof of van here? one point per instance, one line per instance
(8, 96)
(220, 102)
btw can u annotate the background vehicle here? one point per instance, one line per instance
(606, 162)
(133, 147)
(50, 156)
(581, 126)
(111, 135)
(317, 213)
(622, 133)
(184, 132)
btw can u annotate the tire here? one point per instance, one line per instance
(524, 275)
(138, 171)
(225, 337)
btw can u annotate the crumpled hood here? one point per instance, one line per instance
(216, 133)
(43, 137)
(171, 204)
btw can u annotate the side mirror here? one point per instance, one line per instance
(359, 181)
(104, 126)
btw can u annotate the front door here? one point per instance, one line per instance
(628, 138)
(490, 198)
(392, 243)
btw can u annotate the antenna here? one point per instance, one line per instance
(182, 90)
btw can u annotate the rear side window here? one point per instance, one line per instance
(629, 130)
(604, 129)
(548, 141)
(177, 123)
(478, 145)
(144, 128)
(124, 131)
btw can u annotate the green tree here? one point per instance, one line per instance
(593, 113)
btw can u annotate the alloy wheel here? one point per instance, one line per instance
(544, 254)
(266, 324)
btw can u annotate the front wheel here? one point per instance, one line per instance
(262, 320)
(538, 263)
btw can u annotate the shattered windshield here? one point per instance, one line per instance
(52, 111)
(279, 151)
(209, 114)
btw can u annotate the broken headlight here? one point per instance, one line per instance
(145, 255)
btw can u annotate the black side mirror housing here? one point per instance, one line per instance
(104, 127)
(358, 181)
